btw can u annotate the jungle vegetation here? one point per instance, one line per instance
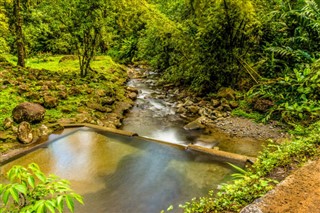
(267, 49)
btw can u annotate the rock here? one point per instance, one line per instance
(23, 88)
(33, 95)
(107, 101)
(63, 95)
(181, 110)
(194, 125)
(193, 109)
(226, 93)
(3, 136)
(43, 130)
(262, 105)
(215, 102)
(7, 123)
(133, 96)
(29, 112)
(207, 113)
(50, 102)
(252, 208)
(25, 135)
(234, 104)
(74, 91)
(188, 103)
(61, 87)
(101, 92)
(132, 89)
(226, 107)
(98, 107)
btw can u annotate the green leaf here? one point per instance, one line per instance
(5, 196)
(31, 181)
(15, 194)
(70, 203)
(41, 208)
(21, 188)
(50, 205)
(41, 176)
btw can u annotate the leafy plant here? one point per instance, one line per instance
(29, 190)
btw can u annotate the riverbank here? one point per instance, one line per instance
(100, 98)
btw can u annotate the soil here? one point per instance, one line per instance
(298, 193)
(243, 127)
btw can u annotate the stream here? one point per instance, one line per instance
(119, 174)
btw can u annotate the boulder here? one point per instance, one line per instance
(194, 125)
(133, 96)
(132, 89)
(25, 135)
(50, 102)
(30, 112)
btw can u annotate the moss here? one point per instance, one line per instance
(46, 76)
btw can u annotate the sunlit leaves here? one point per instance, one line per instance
(31, 191)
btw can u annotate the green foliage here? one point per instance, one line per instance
(4, 30)
(108, 76)
(29, 190)
(296, 96)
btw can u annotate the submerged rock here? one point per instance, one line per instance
(25, 135)
(30, 112)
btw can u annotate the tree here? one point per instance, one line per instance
(4, 30)
(19, 33)
(86, 21)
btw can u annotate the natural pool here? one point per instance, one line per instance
(126, 174)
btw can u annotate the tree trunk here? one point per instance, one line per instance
(19, 34)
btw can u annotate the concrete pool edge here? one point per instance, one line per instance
(217, 154)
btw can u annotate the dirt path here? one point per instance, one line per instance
(298, 193)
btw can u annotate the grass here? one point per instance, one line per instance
(107, 75)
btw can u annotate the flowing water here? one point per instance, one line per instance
(124, 174)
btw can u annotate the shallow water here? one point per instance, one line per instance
(156, 118)
(123, 174)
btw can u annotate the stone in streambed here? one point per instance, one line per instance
(196, 124)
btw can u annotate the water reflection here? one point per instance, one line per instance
(122, 174)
